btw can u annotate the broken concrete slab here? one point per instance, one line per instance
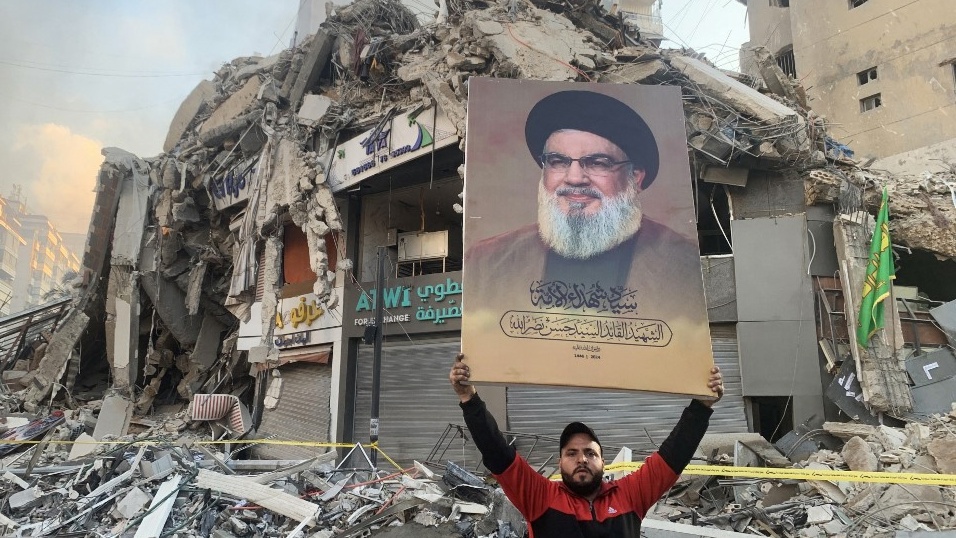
(313, 109)
(26, 499)
(170, 303)
(200, 98)
(881, 373)
(206, 350)
(776, 80)
(83, 446)
(312, 66)
(557, 45)
(944, 452)
(54, 361)
(858, 455)
(131, 504)
(130, 217)
(277, 501)
(447, 100)
(114, 418)
(738, 96)
(159, 509)
(230, 130)
(235, 106)
(634, 73)
(725, 175)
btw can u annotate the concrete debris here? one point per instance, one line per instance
(174, 481)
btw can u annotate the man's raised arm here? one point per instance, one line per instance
(679, 447)
(496, 453)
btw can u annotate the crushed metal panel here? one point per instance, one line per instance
(932, 367)
(18, 330)
(934, 398)
(846, 393)
(945, 316)
(777, 357)
(770, 266)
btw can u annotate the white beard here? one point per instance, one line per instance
(579, 236)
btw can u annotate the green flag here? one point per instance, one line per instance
(879, 272)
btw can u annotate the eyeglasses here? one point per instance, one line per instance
(596, 165)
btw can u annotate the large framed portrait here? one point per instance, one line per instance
(581, 263)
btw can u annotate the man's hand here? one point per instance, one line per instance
(715, 384)
(459, 377)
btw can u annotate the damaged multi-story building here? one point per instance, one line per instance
(883, 74)
(237, 271)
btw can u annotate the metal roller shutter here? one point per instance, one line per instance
(620, 418)
(416, 403)
(302, 413)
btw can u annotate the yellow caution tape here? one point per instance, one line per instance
(373, 446)
(698, 470)
(802, 474)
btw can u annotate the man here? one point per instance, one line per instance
(582, 505)
(597, 155)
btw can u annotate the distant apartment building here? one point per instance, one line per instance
(34, 259)
(882, 72)
(10, 244)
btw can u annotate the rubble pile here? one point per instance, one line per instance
(168, 476)
(827, 507)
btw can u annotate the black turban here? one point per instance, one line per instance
(598, 114)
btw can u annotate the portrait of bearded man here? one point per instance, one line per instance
(592, 249)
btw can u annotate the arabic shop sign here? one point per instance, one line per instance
(406, 136)
(229, 187)
(301, 315)
(303, 338)
(427, 303)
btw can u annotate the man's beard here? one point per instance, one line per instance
(580, 236)
(583, 488)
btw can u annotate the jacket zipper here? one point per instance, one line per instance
(593, 515)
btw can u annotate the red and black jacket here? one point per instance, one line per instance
(553, 511)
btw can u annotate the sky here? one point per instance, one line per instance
(79, 76)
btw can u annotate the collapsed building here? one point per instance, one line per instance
(229, 283)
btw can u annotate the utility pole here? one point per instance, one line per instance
(377, 353)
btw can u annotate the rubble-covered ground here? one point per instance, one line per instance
(169, 479)
(103, 441)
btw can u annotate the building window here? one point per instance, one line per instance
(786, 62)
(856, 3)
(866, 76)
(871, 102)
(779, 3)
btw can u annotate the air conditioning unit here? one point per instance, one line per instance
(415, 246)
